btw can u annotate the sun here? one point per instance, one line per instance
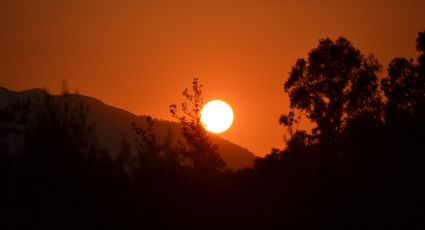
(216, 116)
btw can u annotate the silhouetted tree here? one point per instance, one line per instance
(152, 153)
(405, 124)
(402, 87)
(373, 166)
(198, 147)
(149, 149)
(405, 85)
(334, 85)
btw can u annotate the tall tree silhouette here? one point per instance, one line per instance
(335, 84)
(198, 148)
(405, 85)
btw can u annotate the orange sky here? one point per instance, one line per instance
(140, 55)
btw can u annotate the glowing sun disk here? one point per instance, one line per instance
(217, 116)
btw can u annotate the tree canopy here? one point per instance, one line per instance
(335, 84)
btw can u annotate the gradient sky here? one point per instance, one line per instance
(140, 55)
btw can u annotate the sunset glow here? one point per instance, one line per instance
(199, 114)
(124, 53)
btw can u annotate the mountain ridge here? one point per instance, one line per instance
(113, 125)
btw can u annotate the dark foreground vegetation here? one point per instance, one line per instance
(362, 167)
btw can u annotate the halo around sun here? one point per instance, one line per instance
(216, 116)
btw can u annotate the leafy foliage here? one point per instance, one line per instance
(334, 85)
(405, 85)
(198, 149)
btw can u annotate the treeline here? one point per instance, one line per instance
(361, 167)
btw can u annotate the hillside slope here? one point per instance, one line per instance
(113, 125)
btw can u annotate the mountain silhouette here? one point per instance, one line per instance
(113, 125)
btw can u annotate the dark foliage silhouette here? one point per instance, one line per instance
(360, 168)
(56, 163)
(151, 152)
(198, 148)
(334, 85)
